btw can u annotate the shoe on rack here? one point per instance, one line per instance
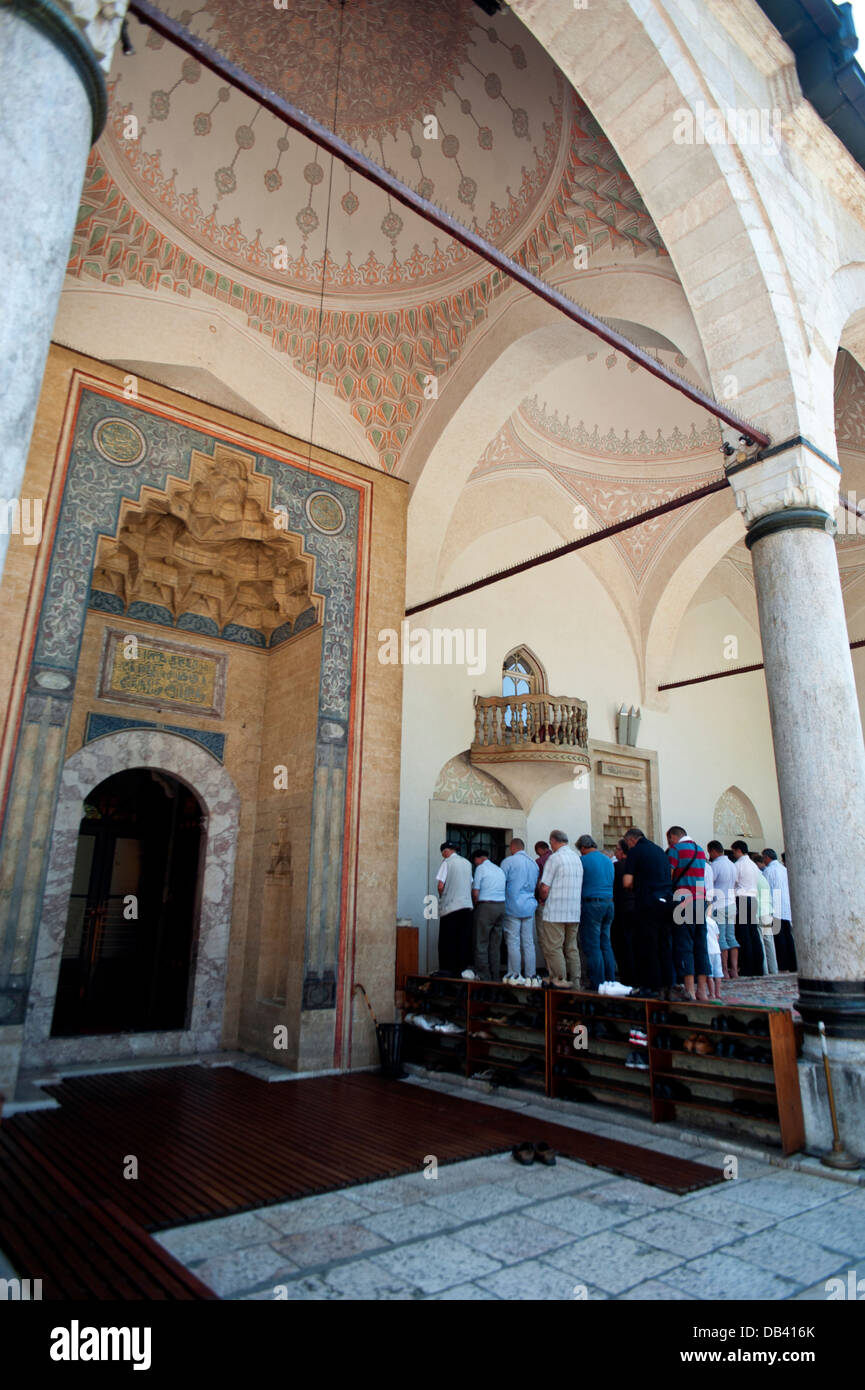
(451, 1028)
(759, 1028)
(721, 1024)
(637, 1038)
(689, 1042)
(468, 975)
(702, 1046)
(640, 1062)
(660, 1016)
(631, 1060)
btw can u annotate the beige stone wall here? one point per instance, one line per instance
(269, 719)
(273, 959)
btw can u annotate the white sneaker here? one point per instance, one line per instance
(508, 979)
(451, 1028)
(469, 975)
(535, 982)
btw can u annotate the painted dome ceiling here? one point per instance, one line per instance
(195, 188)
(473, 114)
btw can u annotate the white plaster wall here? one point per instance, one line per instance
(708, 738)
(716, 734)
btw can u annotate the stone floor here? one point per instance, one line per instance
(490, 1229)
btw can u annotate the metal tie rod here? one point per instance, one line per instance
(430, 212)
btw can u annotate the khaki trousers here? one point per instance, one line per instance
(560, 945)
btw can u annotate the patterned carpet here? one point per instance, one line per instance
(776, 991)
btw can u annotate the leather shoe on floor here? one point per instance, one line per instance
(544, 1154)
(523, 1153)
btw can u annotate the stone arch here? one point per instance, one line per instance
(672, 602)
(735, 818)
(206, 777)
(509, 362)
(668, 71)
(168, 340)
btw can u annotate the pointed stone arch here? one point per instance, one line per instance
(735, 818)
(208, 779)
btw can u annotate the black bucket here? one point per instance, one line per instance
(390, 1049)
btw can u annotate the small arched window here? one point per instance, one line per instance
(521, 674)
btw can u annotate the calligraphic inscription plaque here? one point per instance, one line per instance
(619, 770)
(143, 670)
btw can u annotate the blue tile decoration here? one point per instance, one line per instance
(99, 724)
(151, 613)
(247, 636)
(197, 622)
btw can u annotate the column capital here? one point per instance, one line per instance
(787, 485)
(99, 21)
(86, 32)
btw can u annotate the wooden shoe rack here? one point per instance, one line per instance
(530, 1038)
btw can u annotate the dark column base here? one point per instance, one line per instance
(840, 1004)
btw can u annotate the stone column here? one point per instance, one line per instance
(53, 56)
(788, 500)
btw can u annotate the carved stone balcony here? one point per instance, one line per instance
(530, 728)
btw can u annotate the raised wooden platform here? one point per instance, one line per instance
(213, 1141)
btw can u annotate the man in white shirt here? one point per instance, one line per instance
(454, 883)
(560, 891)
(746, 888)
(723, 903)
(776, 874)
(488, 896)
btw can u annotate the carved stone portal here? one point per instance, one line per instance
(212, 546)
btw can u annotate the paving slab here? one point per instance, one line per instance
(536, 1280)
(514, 1237)
(243, 1270)
(435, 1264)
(612, 1261)
(799, 1260)
(723, 1276)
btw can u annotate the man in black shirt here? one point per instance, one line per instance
(647, 871)
(622, 930)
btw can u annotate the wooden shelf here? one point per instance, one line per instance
(754, 1088)
(463, 1001)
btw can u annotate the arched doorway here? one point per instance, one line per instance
(127, 948)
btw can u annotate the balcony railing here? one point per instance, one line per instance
(530, 727)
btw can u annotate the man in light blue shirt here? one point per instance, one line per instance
(521, 877)
(488, 896)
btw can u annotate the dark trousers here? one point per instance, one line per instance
(455, 941)
(785, 949)
(488, 923)
(653, 945)
(748, 937)
(622, 942)
(690, 950)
